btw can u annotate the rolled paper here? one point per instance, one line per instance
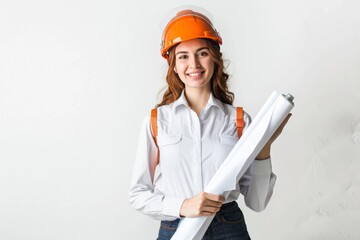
(268, 119)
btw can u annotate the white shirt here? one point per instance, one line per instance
(192, 148)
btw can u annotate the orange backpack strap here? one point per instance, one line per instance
(153, 120)
(239, 120)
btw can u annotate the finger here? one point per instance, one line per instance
(284, 122)
(215, 204)
(210, 209)
(279, 129)
(287, 118)
(215, 197)
(206, 214)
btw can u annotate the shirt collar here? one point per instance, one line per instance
(211, 102)
(181, 100)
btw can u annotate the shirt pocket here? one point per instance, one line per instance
(170, 151)
(223, 146)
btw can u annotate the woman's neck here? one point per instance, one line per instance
(197, 98)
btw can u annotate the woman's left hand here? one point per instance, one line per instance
(265, 152)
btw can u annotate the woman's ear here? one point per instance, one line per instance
(175, 70)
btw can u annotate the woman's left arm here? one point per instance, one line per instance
(258, 182)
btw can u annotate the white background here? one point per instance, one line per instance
(78, 77)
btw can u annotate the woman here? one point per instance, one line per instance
(194, 131)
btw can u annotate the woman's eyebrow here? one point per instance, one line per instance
(198, 50)
(181, 52)
(202, 49)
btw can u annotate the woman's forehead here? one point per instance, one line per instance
(191, 45)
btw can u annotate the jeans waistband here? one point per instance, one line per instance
(229, 205)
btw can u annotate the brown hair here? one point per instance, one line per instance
(219, 79)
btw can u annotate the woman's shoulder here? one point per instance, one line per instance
(164, 113)
(231, 110)
(164, 110)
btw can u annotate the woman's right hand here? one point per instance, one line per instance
(203, 204)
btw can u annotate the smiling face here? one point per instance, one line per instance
(193, 63)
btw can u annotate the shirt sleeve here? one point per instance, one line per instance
(258, 182)
(142, 194)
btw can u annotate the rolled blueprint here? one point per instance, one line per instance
(270, 116)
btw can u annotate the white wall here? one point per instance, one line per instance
(77, 78)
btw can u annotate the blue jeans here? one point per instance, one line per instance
(228, 224)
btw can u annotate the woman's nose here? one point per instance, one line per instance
(194, 62)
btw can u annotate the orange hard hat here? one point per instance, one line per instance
(187, 25)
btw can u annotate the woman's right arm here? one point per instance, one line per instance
(142, 195)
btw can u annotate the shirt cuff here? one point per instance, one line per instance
(260, 167)
(172, 206)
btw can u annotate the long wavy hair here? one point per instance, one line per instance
(219, 80)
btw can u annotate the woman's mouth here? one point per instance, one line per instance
(195, 75)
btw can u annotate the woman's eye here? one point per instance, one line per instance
(203, 53)
(183, 57)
